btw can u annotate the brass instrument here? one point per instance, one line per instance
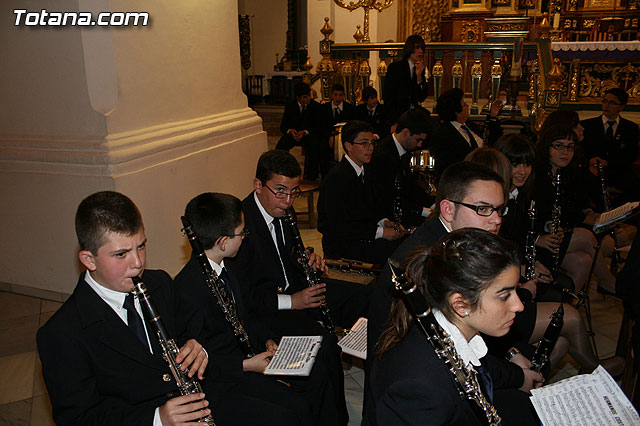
(541, 357)
(466, 379)
(424, 163)
(186, 385)
(311, 275)
(530, 248)
(556, 216)
(217, 287)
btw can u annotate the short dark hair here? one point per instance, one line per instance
(496, 161)
(213, 215)
(561, 116)
(518, 149)
(337, 87)
(301, 89)
(277, 162)
(102, 212)
(549, 136)
(412, 43)
(368, 93)
(622, 96)
(458, 177)
(351, 130)
(449, 104)
(416, 120)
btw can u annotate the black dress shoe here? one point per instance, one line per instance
(606, 292)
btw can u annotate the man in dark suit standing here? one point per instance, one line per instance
(613, 140)
(390, 166)
(337, 110)
(405, 85)
(371, 111)
(101, 362)
(348, 215)
(301, 125)
(268, 268)
(456, 137)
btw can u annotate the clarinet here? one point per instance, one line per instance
(397, 202)
(530, 248)
(540, 359)
(310, 274)
(216, 286)
(186, 385)
(556, 215)
(606, 203)
(466, 380)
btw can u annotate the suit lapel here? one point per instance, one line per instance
(100, 319)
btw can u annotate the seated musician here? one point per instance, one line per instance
(372, 112)
(396, 185)
(101, 362)
(337, 110)
(613, 140)
(302, 125)
(348, 210)
(241, 394)
(267, 266)
(468, 280)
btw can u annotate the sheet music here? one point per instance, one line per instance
(295, 356)
(589, 399)
(607, 218)
(355, 342)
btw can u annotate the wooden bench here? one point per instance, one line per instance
(308, 189)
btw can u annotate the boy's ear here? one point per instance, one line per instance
(257, 185)
(87, 259)
(222, 242)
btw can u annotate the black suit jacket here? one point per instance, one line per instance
(328, 120)
(378, 121)
(412, 386)
(386, 165)
(400, 92)
(448, 146)
(346, 209)
(308, 120)
(199, 315)
(96, 370)
(620, 154)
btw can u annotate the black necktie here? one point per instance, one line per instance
(362, 177)
(371, 112)
(414, 77)
(485, 381)
(472, 140)
(336, 113)
(224, 277)
(609, 133)
(134, 321)
(282, 249)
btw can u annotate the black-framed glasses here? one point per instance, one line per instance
(242, 234)
(485, 210)
(281, 194)
(363, 144)
(561, 147)
(607, 101)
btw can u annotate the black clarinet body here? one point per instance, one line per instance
(466, 379)
(530, 247)
(556, 217)
(541, 357)
(310, 274)
(216, 286)
(186, 385)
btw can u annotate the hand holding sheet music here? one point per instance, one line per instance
(355, 342)
(295, 356)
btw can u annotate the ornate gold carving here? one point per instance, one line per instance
(358, 35)
(245, 41)
(422, 17)
(501, 3)
(595, 79)
(545, 25)
(587, 24)
(470, 32)
(438, 69)
(456, 73)
(510, 26)
(326, 67)
(555, 75)
(382, 68)
(573, 90)
(365, 5)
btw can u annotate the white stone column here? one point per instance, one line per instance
(155, 112)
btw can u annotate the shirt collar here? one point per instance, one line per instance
(340, 105)
(444, 224)
(115, 299)
(399, 147)
(217, 268)
(267, 217)
(605, 120)
(470, 351)
(513, 195)
(457, 125)
(357, 168)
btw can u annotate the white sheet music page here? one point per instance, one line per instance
(615, 215)
(587, 399)
(355, 342)
(295, 356)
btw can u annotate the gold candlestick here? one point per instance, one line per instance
(366, 5)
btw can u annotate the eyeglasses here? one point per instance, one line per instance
(561, 147)
(363, 144)
(607, 101)
(485, 210)
(242, 234)
(281, 195)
